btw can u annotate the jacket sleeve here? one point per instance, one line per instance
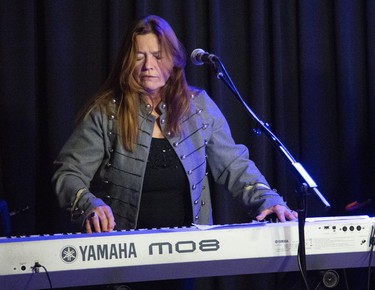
(230, 164)
(76, 165)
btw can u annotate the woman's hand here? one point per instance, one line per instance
(283, 213)
(100, 220)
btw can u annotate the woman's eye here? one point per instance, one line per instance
(157, 55)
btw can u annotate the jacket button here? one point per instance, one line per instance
(194, 186)
(195, 201)
(183, 157)
(190, 172)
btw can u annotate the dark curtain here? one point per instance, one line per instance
(306, 67)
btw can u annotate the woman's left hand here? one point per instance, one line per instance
(282, 212)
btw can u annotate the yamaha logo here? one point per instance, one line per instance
(116, 251)
(68, 254)
(281, 241)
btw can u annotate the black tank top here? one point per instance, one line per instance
(165, 200)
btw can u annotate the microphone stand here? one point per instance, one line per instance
(307, 183)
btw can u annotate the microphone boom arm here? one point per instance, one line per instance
(307, 183)
(263, 127)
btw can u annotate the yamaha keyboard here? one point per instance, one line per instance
(65, 260)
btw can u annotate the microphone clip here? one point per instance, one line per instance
(199, 57)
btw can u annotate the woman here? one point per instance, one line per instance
(139, 155)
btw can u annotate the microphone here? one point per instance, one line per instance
(199, 57)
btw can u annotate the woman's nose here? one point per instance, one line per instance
(147, 63)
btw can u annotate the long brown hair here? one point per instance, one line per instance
(122, 86)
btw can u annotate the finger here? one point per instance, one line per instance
(285, 213)
(103, 222)
(111, 219)
(94, 222)
(107, 221)
(260, 217)
(294, 214)
(281, 215)
(88, 226)
(291, 214)
(111, 224)
(263, 215)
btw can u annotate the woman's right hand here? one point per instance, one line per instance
(100, 220)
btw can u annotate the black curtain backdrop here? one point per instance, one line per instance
(307, 67)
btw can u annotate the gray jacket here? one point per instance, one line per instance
(96, 165)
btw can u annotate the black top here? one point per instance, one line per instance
(165, 198)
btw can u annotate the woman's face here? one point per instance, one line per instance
(152, 68)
